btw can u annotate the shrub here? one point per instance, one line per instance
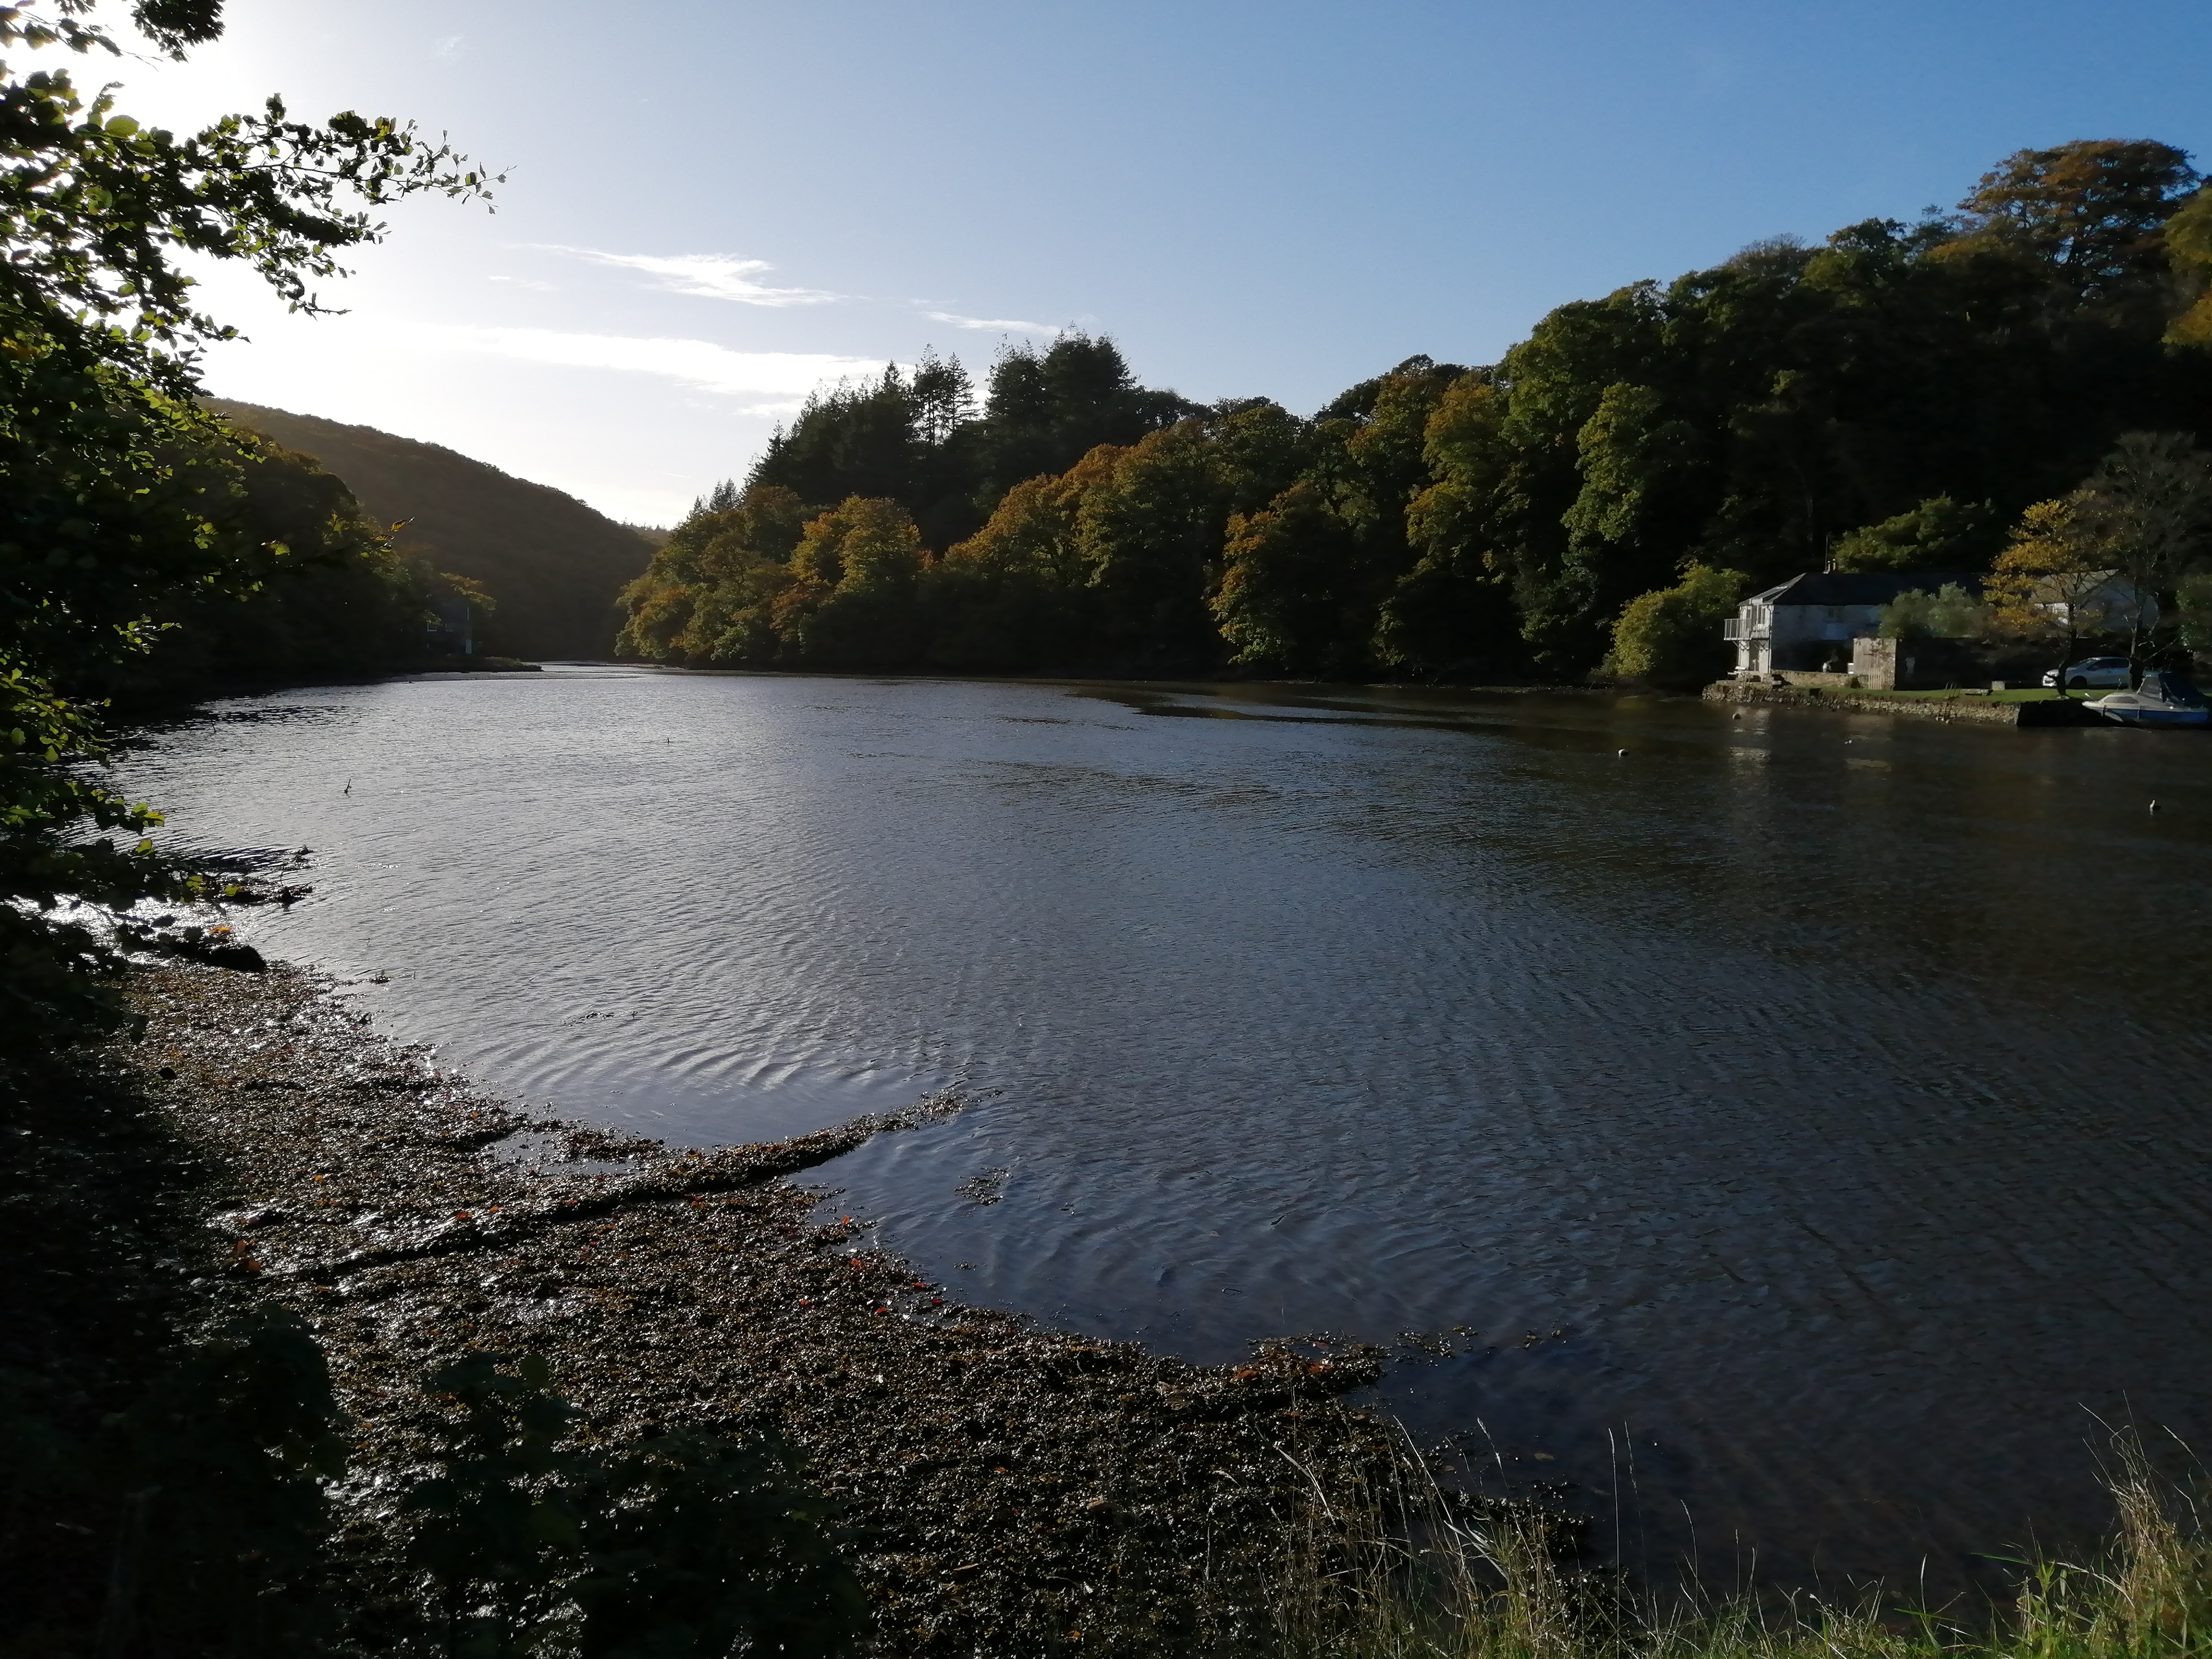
(1671, 637)
(1949, 613)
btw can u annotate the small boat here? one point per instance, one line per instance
(2162, 699)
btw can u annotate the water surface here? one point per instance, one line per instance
(1796, 1124)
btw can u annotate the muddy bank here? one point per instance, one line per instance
(1009, 1490)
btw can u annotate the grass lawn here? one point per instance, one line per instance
(2016, 694)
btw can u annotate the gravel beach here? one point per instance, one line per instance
(1006, 1490)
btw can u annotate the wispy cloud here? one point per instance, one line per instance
(782, 378)
(710, 276)
(1000, 324)
(450, 46)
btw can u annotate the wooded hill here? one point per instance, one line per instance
(1899, 395)
(553, 565)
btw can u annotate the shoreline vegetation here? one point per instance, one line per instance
(997, 1488)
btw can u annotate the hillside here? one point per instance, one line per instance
(553, 564)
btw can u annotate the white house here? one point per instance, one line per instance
(1812, 619)
(1809, 622)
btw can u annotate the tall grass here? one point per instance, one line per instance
(1403, 1571)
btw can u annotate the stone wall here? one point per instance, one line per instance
(1968, 710)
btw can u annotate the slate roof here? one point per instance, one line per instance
(1861, 587)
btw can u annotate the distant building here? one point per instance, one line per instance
(1811, 620)
(2111, 608)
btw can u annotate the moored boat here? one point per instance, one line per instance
(2163, 698)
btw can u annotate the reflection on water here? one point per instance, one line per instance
(1807, 1113)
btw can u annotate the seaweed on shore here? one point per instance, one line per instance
(1002, 1488)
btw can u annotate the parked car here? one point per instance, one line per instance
(2106, 671)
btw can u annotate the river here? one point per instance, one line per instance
(1784, 1134)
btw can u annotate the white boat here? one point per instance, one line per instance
(2162, 699)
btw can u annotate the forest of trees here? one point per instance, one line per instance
(1898, 394)
(315, 587)
(553, 565)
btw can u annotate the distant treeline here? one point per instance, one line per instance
(553, 565)
(326, 583)
(1899, 384)
(317, 587)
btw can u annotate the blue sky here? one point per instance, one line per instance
(713, 207)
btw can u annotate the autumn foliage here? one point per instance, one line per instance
(1892, 399)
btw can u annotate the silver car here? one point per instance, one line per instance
(2108, 672)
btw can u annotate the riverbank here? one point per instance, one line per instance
(1009, 1492)
(1004, 1488)
(1967, 708)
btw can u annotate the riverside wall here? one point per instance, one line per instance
(1961, 711)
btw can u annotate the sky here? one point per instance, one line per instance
(714, 206)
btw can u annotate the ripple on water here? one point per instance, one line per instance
(1838, 1105)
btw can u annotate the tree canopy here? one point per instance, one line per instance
(1892, 397)
(128, 510)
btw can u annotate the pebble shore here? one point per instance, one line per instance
(1007, 1489)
